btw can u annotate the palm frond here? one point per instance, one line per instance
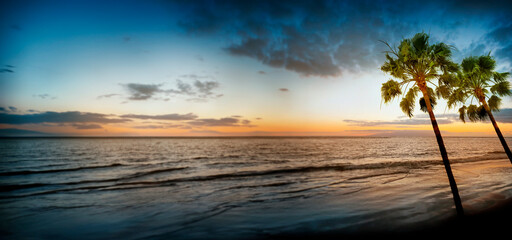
(494, 103)
(499, 77)
(462, 114)
(486, 64)
(482, 113)
(472, 113)
(457, 96)
(407, 103)
(501, 88)
(390, 90)
(469, 64)
(443, 91)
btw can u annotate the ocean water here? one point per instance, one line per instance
(239, 188)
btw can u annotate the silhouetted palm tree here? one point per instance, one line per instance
(476, 81)
(415, 64)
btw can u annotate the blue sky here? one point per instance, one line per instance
(246, 66)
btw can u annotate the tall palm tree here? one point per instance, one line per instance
(476, 81)
(418, 63)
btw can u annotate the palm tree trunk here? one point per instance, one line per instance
(444, 155)
(502, 139)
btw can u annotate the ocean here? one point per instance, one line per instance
(240, 188)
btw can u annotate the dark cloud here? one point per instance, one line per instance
(262, 72)
(86, 121)
(86, 126)
(504, 115)
(7, 69)
(503, 37)
(283, 89)
(58, 117)
(169, 117)
(205, 88)
(15, 132)
(8, 109)
(308, 37)
(140, 91)
(325, 38)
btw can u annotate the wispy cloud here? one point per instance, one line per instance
(45, 96)
(221, 122)
(168, 117)
(195, 88)
(58, 117)
(108, 95)
(86, 126)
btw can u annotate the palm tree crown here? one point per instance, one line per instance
(415, 64)
(478, 81)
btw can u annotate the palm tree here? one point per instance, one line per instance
(418, 63)
(476, 81)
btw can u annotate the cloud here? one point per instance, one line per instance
(8, 109)
(45, 96)
(325, 38)
(502, 36)
(7, 69)
(262, 72)
(221, 122)
(168, 117)
(58, 117)
(162, 126)
(15, 132)
(199, 90)
(140, 91)
(87, 121)
(108, 95)
(419, 120)
(504, 115)
(283, 89)
(396, 133)
(86, 126)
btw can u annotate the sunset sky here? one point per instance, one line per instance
(229, 68)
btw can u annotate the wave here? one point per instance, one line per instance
(125, 183)
(26, 172)
(136, 175)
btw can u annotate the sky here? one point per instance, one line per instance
(229, 68)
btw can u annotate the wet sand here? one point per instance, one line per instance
(486, 217)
